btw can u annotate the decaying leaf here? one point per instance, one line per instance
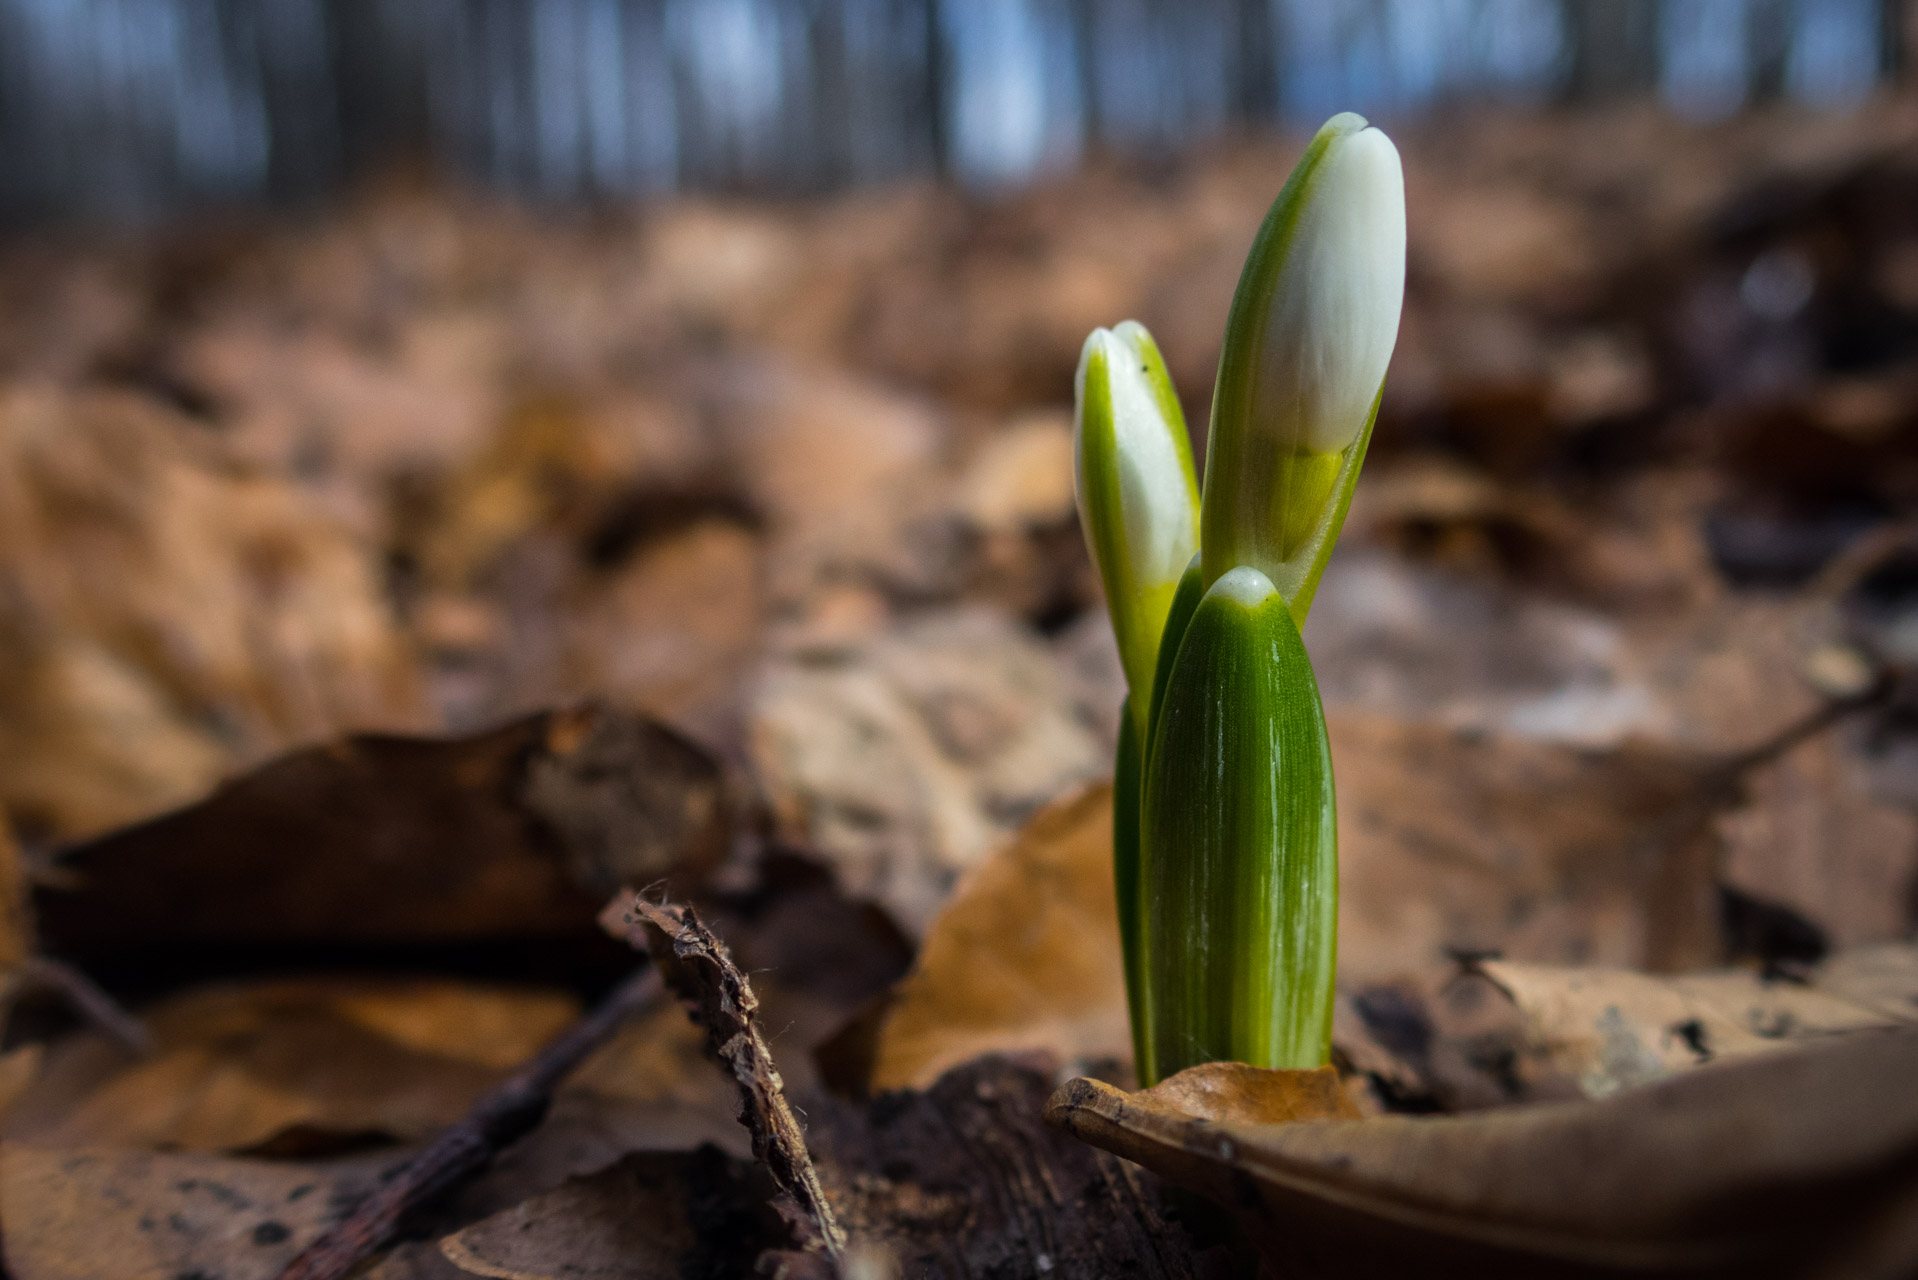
(503, 1115)
(16, 905)
(646, 1217)
(80, 1214)
(907, 758)
(171, 613)
(512, 833)
(1024, 957)
(1232, 1092)
(1469, 841)
(1614, 1028)
(1795, 1163)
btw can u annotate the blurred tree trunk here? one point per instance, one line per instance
(1614, 48)
(1768, 25)
(1253, 75)
(1894, 41)
(1085, 61)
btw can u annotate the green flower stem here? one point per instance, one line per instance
(1127, 770)
(1238, 844)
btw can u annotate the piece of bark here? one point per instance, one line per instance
(696, 963)
(1797, 1163)
(965, 1179)
(511, 833)
(463, 1150)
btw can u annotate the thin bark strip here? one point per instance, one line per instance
(502, 1116)
(701, 970)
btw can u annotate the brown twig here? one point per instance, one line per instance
(701, 971)
(463, 1150)
(100, 1010)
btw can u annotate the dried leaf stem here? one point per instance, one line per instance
(701, 970)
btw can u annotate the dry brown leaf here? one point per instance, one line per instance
(1814, 838)
(1781, 1165)
(85, 1214)
(905, 760)
(16, 905)
(1234, 1093)
(517, 832)
(647, 1217)
(549, 467)
(673, 631)
(652, 1087)
(1615, 1028)
(1470, 841)
(1024, 957)
(295, 1065)
(159, 595)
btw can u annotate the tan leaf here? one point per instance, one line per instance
(1775, 1166)
(295, 1065)
(906, 760)
(632, 1221)
(132, 1215)
(1026, 956)
(1614, 1028)
(157, 589)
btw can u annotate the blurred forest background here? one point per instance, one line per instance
(147, 107)
(418, 369)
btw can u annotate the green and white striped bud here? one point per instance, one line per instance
(1238, 882)
(1307, 342)
(1138, 493)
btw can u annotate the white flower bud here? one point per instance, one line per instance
(1138, 494)
(1310, 334)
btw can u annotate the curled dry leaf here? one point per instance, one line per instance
(512, 833)
(1791, 1164)
(1236, 1093)
(1024, 957)
(1614, 1028)
(699, 968)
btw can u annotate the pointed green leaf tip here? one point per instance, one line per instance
(1138, 493)
(1238, 894)
(1307, 342)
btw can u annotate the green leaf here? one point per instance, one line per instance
(1238, 844)
(1127, 769)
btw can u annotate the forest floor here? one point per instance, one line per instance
(384, 591)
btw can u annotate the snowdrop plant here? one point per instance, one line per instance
(1225, 834)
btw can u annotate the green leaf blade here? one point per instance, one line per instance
(1238, 844)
